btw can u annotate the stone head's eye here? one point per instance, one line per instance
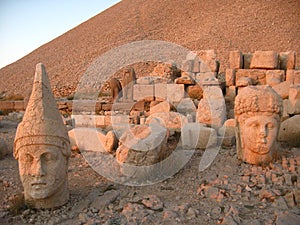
(47, 157)
(253, 124)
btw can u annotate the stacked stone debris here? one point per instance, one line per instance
(268, 68)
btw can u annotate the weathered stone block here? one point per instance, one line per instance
(160, 92)
(80, 106)
(227, 133)
(144, 80)
(143, 92)
(294, 99)
(175, 92)
(160, 108)
(283, 89)
(264, 60)
(230, 77)
(185, 106)
(19, 106)
(293, 76)
(231, 93)
(247, 57)
(287, 60)
(195, 135)
(274, 77)
(235, 60)
(290, 131)
(195, 91)
(6, 105)
(259, 76)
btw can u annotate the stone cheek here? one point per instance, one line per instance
(257, 138)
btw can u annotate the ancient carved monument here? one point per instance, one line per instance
(129, 79)
(258, 111)
(115, 89)
(42, 148)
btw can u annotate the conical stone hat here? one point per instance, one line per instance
(42, 122)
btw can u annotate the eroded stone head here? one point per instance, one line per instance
(42, 147)
(258, 110)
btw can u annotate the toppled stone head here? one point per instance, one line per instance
(258, 111)
(42, 148)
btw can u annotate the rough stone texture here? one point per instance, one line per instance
(258, 75)
(186, 79)
(230, 77)
(212, 108)
(235, 60)
(256, 131)
(175, 92)
(171, 120)
(227, 133)
(287, 60)
(186, 106)
(283, 89)
(142, 145)
(244, 82)
(293, 76)
(209, 62)
(143, 92)
(294, 98)
(247, 57)
(160, 108)
(274, 77)
(290, 131)
(42, 148)
(264, 60)
(195, 91)
(195, 135)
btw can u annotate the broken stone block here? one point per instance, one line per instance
(244, 82)
(185, 79)
(230, 77)
(172, 120)
(235, 60)
(160, 108)
(227, 133)
(211, 112)
(287, 60)
(142, 145)
(175, 92)
(283, 89)
(294, 100)
(274, 77)
(247, 57)
(145, 80)
(231, 93)
(160, 92)
(143, 92)
(207, 78)
(258, 75)
(195, 91)
(19, 106)
(186, 106)
(290, 131)
(293, 76)
(264, 60)
(195, 135)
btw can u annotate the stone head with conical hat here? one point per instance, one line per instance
(42, 147)
(258, 112)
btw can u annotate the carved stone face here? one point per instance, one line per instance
(43, 170)
(259, 133)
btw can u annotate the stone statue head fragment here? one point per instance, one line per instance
(42, 148)
(258, 111)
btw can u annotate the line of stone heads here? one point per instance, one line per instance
(42, 145)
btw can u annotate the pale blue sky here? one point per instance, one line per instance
(27, 24)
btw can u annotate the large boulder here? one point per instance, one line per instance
(290, 131)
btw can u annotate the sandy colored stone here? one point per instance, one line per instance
(142, 145)
(287, 60)
(143, 92)
(171, 120)
(293, 76)
(235, 60)
(282, 89)
(160, 108)
(227, 133)
(195, 91)
(185, 106)
(258, 75)
(247, 57)
(274, 77)
(258, 111)
(230, 77)
(115, 89)
(3, 148)
(290, 131)
(244, 82)
(128, 80)
(195, 135)
(42, 148)
(264, 60)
